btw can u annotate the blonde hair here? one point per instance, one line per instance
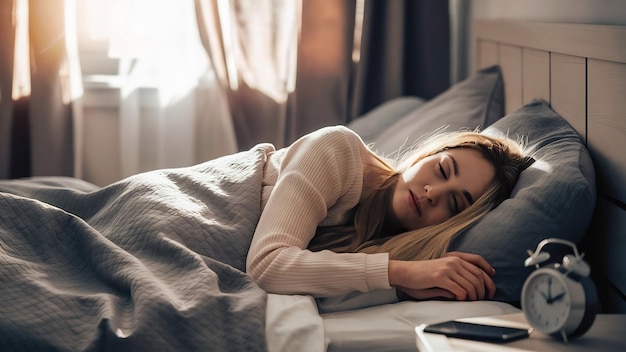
(366, 232)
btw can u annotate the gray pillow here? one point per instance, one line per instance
(370, 125)
(476, 102)
(554, 197)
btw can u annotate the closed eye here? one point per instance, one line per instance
(441, 170)
(455, 206)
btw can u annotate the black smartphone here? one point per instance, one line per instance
(479, 332)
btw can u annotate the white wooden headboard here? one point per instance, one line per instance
(580, 70)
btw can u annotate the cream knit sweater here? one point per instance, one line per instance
(316, 181)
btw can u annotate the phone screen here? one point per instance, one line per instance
(474, 331)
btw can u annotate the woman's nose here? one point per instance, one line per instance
(430, 194)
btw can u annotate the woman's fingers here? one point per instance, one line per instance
(489, 285)
(477, 277)
(466, 276)
(461, 289)
(464, 279)
(486, 271)
(475, 259)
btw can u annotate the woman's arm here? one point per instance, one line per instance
(321, 171)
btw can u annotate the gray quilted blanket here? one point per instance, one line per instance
(155, 262)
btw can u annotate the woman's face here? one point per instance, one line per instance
(439, 187)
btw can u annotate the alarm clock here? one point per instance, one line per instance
(559, 299)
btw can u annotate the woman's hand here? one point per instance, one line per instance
(458, 275)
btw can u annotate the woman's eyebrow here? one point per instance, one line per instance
(455, 170)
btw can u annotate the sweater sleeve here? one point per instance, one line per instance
(319, 171)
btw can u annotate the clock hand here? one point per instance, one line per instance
(556, 298)
(549, 290)
(546, 297)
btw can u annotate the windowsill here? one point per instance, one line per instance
(103, 81)
(105, 91)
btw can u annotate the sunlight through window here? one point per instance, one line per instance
(156, 42)
(21, 69)
(358, 30)
(72, 86)
(224, 12)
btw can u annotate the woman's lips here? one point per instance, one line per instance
(414, 202)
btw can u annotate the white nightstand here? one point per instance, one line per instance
(607, 334)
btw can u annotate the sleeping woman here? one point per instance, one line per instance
(338, 218)
(168, 259)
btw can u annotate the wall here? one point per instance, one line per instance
(579, 11)
(610, 12)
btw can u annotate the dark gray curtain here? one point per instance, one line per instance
(325, 67)
(36, 130)
(405, 50)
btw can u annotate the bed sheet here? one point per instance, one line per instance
(295, 324)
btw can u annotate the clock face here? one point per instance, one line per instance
(546, 301)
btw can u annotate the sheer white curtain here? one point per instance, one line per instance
(254, 47)
(173, 112)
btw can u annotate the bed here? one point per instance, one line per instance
(81, 269)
